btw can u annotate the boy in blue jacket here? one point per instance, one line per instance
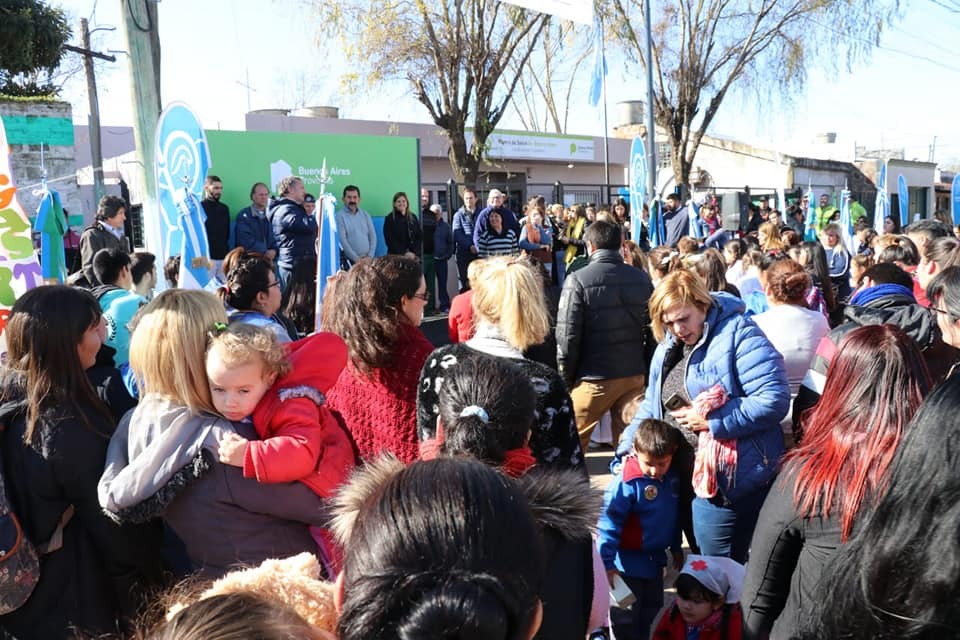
(638, 522)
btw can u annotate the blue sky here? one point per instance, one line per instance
(903, 97)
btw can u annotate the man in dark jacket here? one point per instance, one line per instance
(676, 221)
(602, 329)
(253, 231)
(106, 233)
(217, 222)
(885, 298)
(295, 231)
(442, 252)
(463, 221)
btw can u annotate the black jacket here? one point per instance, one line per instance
(787, 557)
(566, 509)
(101, 571)
(295, 232)
(402, 233)
(900, 311)
(603, 320)
(218, 227)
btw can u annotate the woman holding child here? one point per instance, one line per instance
(164, 458)
(717, 378)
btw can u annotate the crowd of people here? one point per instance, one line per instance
(781, 418)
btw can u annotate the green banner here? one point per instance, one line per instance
(57, 132)
(379, 165)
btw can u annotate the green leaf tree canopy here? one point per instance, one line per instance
(32, 36)
(458, 56)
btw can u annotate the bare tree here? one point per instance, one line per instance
(455, 54)
(547, 80)
(703, 49)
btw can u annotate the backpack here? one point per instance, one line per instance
(19, 558)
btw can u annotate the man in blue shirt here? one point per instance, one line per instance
(463, 222)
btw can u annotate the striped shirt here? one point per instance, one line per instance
(505, 244)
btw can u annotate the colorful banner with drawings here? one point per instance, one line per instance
(19, 267)
(638, 186)
(182, 160)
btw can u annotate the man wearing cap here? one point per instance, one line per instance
(495, 200)
(309, 203)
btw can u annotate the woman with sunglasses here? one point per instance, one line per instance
(377, 309)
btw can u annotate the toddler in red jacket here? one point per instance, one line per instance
(281, 388)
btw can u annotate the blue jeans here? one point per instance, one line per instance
(725, 529)
(561, 266)
(635, 624)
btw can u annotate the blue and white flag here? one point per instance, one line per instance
(52, 225)
(810, 233)
(903, 195)
(328, 249)
(638, 186)
(599, 66)
(196, 268)
(658, 232)
(955, 199)
(846, 225)
(882, 207)
(693, 218)
(182, 159)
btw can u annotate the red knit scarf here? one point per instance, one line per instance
(516, 462)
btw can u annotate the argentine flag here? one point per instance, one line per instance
(196, 269)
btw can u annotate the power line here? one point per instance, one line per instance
(951, 9)
(886, 48)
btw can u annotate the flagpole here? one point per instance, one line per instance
(651, 123)
(606, 138)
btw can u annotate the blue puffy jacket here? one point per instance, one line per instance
(295, 232)
(734, 352)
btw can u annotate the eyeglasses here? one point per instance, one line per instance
(275, 283)
(934, 310)
(423, 296)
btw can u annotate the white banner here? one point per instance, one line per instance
(574, 10)
(509, 145)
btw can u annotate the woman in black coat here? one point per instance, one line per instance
(53, 447)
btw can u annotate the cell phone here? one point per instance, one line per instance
(676, 401)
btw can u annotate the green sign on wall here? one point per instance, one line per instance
(379, 165)
(37, 129)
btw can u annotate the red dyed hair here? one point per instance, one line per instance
(874, 385)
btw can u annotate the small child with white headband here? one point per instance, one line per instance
(707, 605)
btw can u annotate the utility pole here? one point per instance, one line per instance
(143, 44)
(96, 152)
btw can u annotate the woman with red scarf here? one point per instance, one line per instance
(486, 407)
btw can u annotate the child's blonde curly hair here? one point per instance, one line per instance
(239, 344)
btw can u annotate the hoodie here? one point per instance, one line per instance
(900, 310)
(300, 438)
(162, 461)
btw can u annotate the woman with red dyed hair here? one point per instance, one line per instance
(873, 388)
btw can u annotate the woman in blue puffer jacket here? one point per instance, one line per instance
(717, 378)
